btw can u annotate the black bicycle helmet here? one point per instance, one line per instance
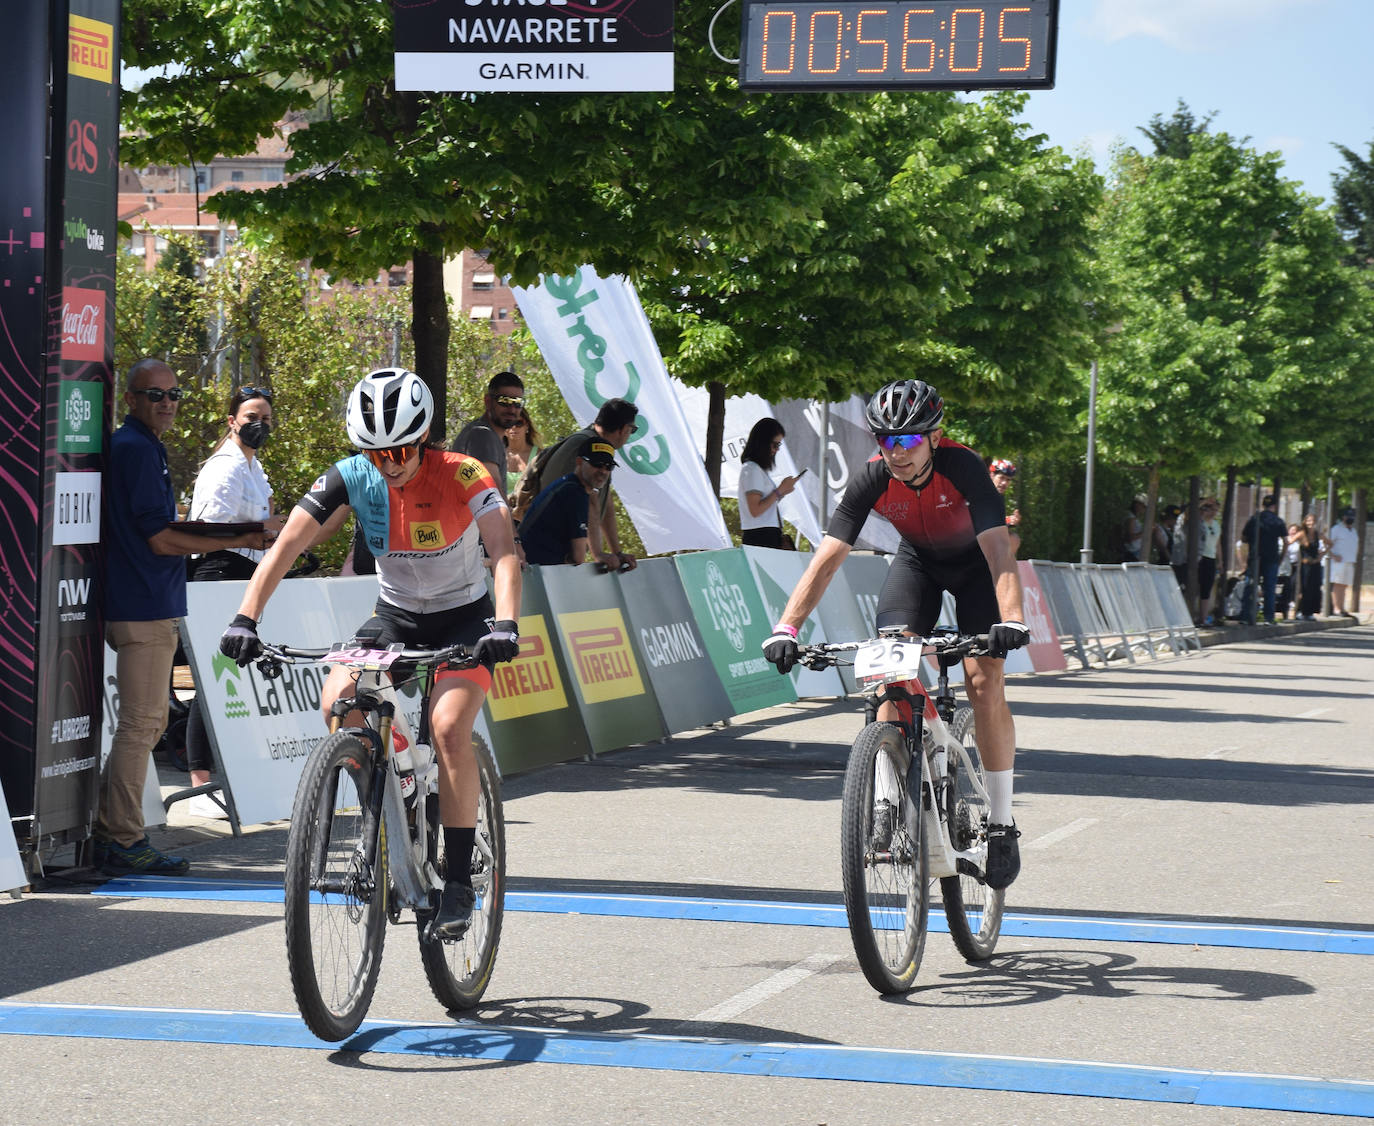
(906, 406)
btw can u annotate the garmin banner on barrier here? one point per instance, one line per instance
(595, 338)
(671, 649)
(725, 601)
(613, 695)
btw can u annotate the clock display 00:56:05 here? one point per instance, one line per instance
(919, 44)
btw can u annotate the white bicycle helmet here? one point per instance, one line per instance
(390, 407)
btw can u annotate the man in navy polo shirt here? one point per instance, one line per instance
(145, 594)
(555, 528)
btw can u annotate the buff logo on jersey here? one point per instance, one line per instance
(426, 536)
(469, 471)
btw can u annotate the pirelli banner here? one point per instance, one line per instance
(671, 648)
(613, 695)
(532, 708)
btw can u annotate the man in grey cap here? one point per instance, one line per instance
(554, 529)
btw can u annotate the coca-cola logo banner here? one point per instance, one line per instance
(83, 324)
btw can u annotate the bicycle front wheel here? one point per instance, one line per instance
(973, 910)
(335, 893)
(459, 971)
(883, 859)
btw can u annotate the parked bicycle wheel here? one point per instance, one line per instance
(973, 910)
(336, 897)
(885, 867)
(459, 971)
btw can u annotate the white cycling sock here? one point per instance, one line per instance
(998, 783)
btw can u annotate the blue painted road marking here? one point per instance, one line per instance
(1320, 940)
(473, 1040)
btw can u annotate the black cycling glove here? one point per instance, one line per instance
(502, 644)
(240, 640)
(1006, 636)
(781, 650)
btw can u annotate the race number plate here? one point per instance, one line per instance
(360, 658)
(882, 662)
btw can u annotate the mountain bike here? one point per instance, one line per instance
(914, 808)
(365, 843)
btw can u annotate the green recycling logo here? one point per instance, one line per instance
(234, 705)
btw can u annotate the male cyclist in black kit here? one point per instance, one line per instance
(952, 523)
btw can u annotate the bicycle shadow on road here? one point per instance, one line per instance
(1038, 976)
(508, 1032)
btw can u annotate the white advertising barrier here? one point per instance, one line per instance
(153, 813)
(741, 412)
(12, 875)
(595, 338)
(262, 730)
(775, 574)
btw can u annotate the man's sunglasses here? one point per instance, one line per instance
(906, 441)
(393, 455)
(509, 401)
(156, 394)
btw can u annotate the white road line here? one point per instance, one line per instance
(1311, 713)
(764, 990)
(1217, 752)
(1063, 831)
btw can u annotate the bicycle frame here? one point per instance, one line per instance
(414, 877)
(927, 728)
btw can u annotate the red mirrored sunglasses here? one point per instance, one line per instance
(395, 455)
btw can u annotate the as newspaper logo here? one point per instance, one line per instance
(530, 684)
(90, 49)
(603, 662)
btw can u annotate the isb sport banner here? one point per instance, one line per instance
(597, 342)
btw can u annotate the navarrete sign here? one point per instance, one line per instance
(534, 46)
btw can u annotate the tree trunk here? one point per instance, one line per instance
(1228, 534)
(1361, 519)
(715, 434)
(1147, 534)
(429, 328)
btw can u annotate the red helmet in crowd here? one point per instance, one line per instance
(1003, 466)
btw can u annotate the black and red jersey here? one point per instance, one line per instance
(940, 519)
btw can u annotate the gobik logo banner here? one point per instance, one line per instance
(615, 704)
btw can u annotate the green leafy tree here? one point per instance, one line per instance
(1353, 189)
(633, 183)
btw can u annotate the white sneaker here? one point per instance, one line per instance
(203, 805)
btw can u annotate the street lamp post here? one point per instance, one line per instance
(1085, 555)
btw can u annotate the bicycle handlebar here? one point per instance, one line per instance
(455, 656)
(951, 645)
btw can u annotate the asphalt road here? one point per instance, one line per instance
(1194, 924)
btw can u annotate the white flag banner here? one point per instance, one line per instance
(741, 412)
(595, 338)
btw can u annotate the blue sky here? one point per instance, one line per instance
(1291, 75)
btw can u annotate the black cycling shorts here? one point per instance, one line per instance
(462, 625)
(914, 592)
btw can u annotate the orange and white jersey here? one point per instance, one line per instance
(423, 534)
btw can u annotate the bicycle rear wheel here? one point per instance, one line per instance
(973, 910)
(886, 881)
(458, 972)
(335, 894)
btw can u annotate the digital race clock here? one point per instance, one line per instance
(916, 45)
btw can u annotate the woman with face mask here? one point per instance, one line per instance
(231, 488)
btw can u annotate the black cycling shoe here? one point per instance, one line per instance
(884, 821)
(455, 912)
(1004, 856)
